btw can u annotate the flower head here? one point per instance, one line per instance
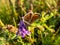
(22, 30)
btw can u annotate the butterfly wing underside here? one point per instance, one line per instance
(34, 17)
(27, 17)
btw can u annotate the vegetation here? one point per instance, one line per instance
(43, 31)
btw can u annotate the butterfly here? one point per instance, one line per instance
(30, 17)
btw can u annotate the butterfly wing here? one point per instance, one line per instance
(27, 17)
(35, 17)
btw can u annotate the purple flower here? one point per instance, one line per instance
(22, 30)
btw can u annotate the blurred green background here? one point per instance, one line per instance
(44, 31)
